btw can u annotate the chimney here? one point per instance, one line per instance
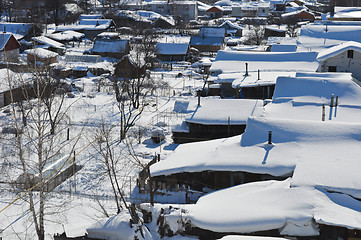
(332, 98)
(336, 104)
(323, 112)
(269, 137)
(259, 75)
(246, 69)
(199, 98)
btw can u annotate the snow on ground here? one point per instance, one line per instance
(77, 201)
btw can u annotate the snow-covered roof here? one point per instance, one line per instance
(346, 12)
(294, 13)
(283, 48)
(272, 205)
(90, 16)
(66, 35)
(212, 32)
(217, 111)
(48, 42)
(110, 45)
(172, 48)
(231, 25)
(298, 132)
(95, 24)
(41, 53)
(333, 51)
(206, 41)
(234, 61)
(254, 79)
(202, 7)
(321, 35)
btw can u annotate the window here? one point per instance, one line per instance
(332, 69)
(349, 53)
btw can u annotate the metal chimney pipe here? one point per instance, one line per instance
(246, 69)
(323, 112)
(259, 75)
(269, 137)
(332, 98)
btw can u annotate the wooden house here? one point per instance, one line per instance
(115, 48)
(172, 51)
(344, 57)
(209, 39)
(215, 12)
(41, 56)
(232, 29)
(203, 124)
(50, 44)
(274, 32)
(9, 48)
(298, 16)
(128, 68)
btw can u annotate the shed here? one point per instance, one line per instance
(172, 51)
(42, 56)
(9, 48)
(232, 28)
(207, 44)
(215, 11)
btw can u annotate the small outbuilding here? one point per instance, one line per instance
(9, 48)
(115, 48)
(41, 56)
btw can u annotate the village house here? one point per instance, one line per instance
(232, 29)
(111, 47)
(202, 123)
(321, 35)
(41, 56)
(298, 16)
(128, 68)
(344, 14)
(271, 31)
(249, 74)
(20, 30)
(180, 10)
(66, 36)
(345, 57)
(282, 44)
(215, 12)
(209, 39)
(9, 48)
(90, 27)
(49, 44)
(172, 51)
(251, 10)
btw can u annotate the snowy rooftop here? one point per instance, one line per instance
(172, 48)
(294, 117)
(110, 45)
(319, 36)
(272, 205)
(346, 12)
(234, 61)
(49, 42)
(217, 111)
(257, 79)
(333, 51)
(66, 35)
(42, 53)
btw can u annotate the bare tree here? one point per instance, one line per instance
(255, 35)
(42, 145)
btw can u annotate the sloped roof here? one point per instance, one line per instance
(272, 205)
(110, 45)
(206, 41)
(333, 51)
(231, 25)
(82, 58)
(95, 24)
(294, 13)
(172, 48)
(66, 35)
(217, 111)
(19, 30)
(319, 36)
(41, 53)
(234, 61)
(49, 42)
